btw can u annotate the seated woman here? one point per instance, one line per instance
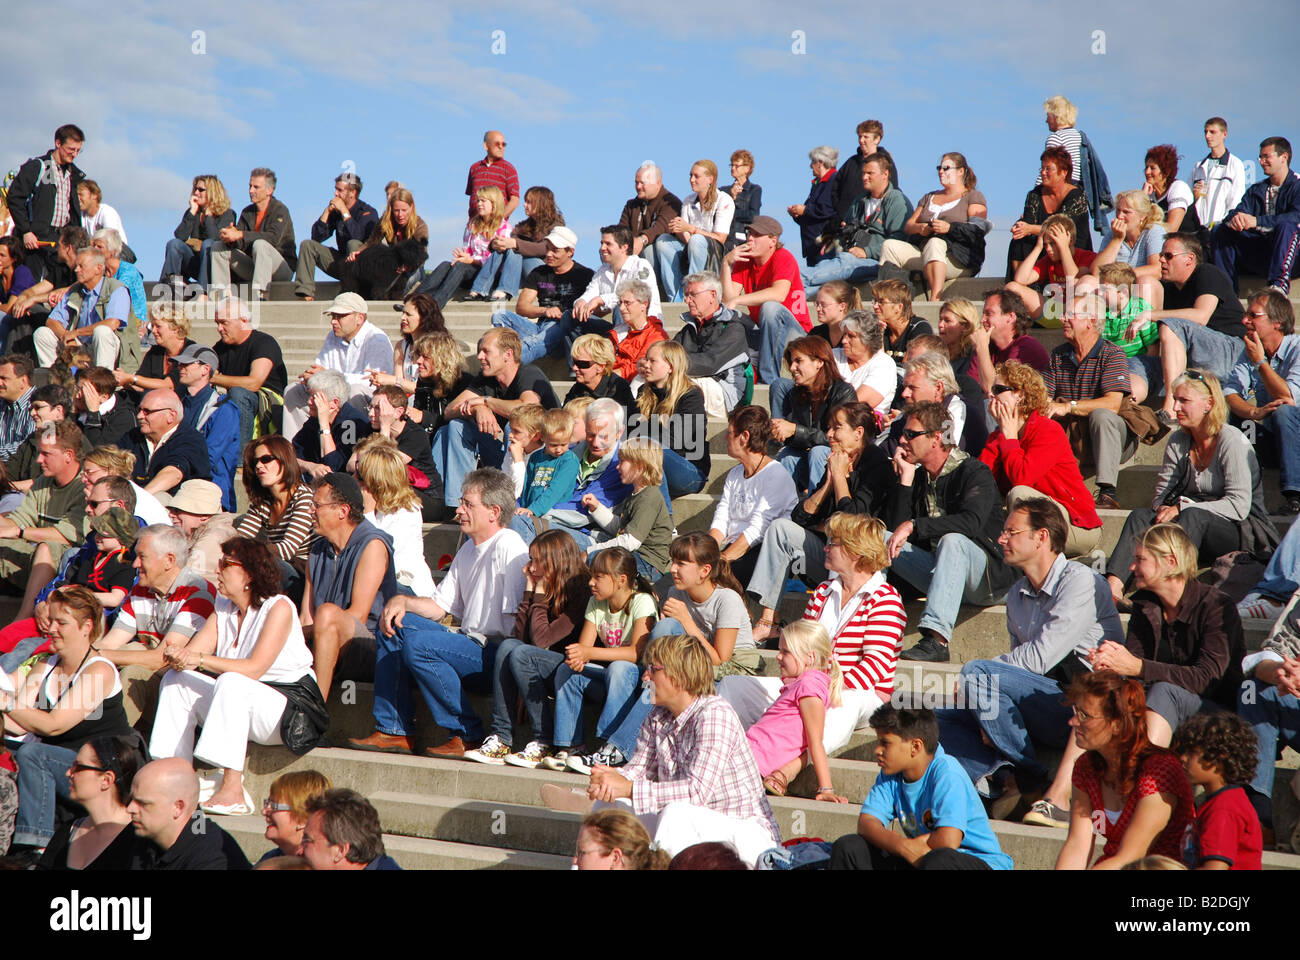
(1050, 265)
(636, 331)
(487, 223)
(958, 318)
(1130, 791)
(748, 197)
(818, 211)
(63, 703)
(1030, 456)
(835, 301)
(1137, 235)
(1209, 484)
(592, 360)
(891, 302)
(859, 480)
(442, 373)
(187, 256)
(756, 491)
(941, 240)
(391, 505)
(863, 362)
(674, 409)
(170, 325)
(279, 508)
(99, 779)
(613, 839)
(693, 242)
(1166, 191)
(397, 247)
(285, 810)
(225, 678)
(15, 278)
(514, 257)
(1055, 192)
(805, 413)
(865, 619)
(421, 317)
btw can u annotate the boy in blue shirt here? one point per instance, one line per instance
(552, 472)
(944, 826)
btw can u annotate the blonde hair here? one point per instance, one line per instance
(647, 456)
(969, 315)
(388, 223)
(599, 348)
(578, 407)
(558, 424)
(1147, 209)
(118, 462)
(682, 657)
(218, 199)
(679, 382)
(612, 828)
(489, 227)
(809, 639)
(1061, 110)
(86, 608)
(710, 196)
(1170, 540)
(862, 537)
(448, 361)
(528, 416)
(382, 471)
(171, 313)
(1206, 384)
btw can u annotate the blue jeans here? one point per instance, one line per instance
(247, 404)
(1282, 575)
(443, 664)
(957, 571)
(514, 270)
(681, 475)
(777, 391)
(445, 280)
(521, 668)
(457, 449)
(669, 261)
(1010, 704)
(1273, 716)
(541, 338)
(844, 266)
(776, 325)
(1283, 428)
(807, 467)
(42, 779)
(626, 704)
(180, 260)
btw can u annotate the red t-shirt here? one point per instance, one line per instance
(1048, 270)
(1226, 828)
(781, 266)
(1160, 772)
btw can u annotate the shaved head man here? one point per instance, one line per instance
(171, 832)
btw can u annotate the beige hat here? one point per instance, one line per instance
(346, 303)
(199, 497)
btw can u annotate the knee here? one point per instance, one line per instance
(784, 534)
(770, 312)
(952, 541)
(697, 244)
(622, 671)
(668, 627)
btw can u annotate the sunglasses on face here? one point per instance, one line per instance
(583, 364)
(1001, 388)
(913, 434)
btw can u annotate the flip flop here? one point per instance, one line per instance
(242, 809)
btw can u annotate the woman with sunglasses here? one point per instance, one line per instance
(100, 780)
(279, 508)
(592, 360)
(1030, 456)
(187, 253)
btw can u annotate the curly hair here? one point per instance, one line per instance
(1060, 157)
(1164, 156)
(1123, 703)
(1223, 740)
(448, 361)
(258, 562)
(1027, 382)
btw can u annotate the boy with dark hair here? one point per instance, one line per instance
(944, 826)
(1218, 753)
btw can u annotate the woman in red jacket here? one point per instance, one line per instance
(1030, 455)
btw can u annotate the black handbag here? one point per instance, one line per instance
(305, 717)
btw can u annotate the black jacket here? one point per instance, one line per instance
(112, 428)
(810, 424)
(870, 485)
(42, 191)
(201, 846)
(612, 386)
(685, 430)
(277, 230)
(713, 347)
(194, 227)
(972, 507)
(847, 184)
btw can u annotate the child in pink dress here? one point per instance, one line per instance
(788, 736)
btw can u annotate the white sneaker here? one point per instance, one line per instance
(530, 756)
(1256, 607)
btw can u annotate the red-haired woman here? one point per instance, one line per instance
(1166, 191)
(806, 410)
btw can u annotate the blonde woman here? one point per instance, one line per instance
(187, 255)
(1137, 235)
(699, 232)
(488, 223)
(674, 409)
(170, 326)
(440, 365)
(592, 359)
(398, 246)
(392, 506)
(958, 318)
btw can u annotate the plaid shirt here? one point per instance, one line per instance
(702, 758)
(1104, 370)
(63, 194)
(15, 423)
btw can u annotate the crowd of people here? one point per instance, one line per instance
(892, 459)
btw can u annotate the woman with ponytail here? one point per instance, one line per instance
(1132, 792)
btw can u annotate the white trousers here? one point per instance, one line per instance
(900, 253)
(103, 346)
(295, 406)
(751, 696)
(233, 709)
(680, 825)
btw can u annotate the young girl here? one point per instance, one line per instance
(789, 735)
(615, 631)
(557, 591)
(488, 223)
(641, 522)
(707, 603)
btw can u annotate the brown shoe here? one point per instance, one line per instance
(453, 749)
(1105, 499)
(381, 742)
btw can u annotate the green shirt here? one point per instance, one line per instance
(1117, 324)
(49, 505)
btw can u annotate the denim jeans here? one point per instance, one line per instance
(443, 664)
(669, 261)
(42, 778)
(180, 260)
(626, 704)
(1273, 716)
(843, 266)
(786, 549)
(957, 571)
(541, 338)
(521, 668)
(482, 283)
(514, 270)
(681, 475)
(776, 325)
(247, 404)
(1282, 575)
(445, 280)
(1282, 427)
(1010, 704)
(777, 391)
(457, 449)
(807, 467)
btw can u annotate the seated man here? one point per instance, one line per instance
(260, 246)
(1051, 265)
(874, 217)
(15, 403)
(618, 265)
(32, 303)
(1057, 613)
(946, 515)
(354, 347)
(1200, 325)
(647, 215)
(692, 778)
(478, 417)
(250, 368)
(106, 415)
(1087, 379)
(349, 579)
(171, 832)
(544, 312)
(481, 591)
(1270, 702)
(195, 510)
(347, 218)
(53, 512)
(343, 833)
(49, 405)
(212, 415)
(598, 472)
(167, 452)
(717, 342)
(1263, 387)
(1003, 334)
(1259, 234)
(92, 314)
(928, 377)
(762, 275)
(944, 826)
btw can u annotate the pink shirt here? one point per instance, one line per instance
(778, 735)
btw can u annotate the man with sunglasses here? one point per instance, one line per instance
(167, 451)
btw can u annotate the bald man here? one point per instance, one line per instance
(171, 832)
(167, 452)
(494, 170)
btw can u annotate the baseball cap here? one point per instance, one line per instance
(766, 226)
(347, 303)
(198, 353)
(562, 237)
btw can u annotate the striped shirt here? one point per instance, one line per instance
(15, 423)
(500, 174)
(292, 535)
(151, 616)
(1104, 370)
(62, 176)
(866, 631)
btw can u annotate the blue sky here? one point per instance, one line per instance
(585, 92)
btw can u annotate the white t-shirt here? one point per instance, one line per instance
(717, 220)
(749, 505)
(406, 529)
(1178, 196)
(105, 218)
(880, 373)
(484, 584)
(237, 643)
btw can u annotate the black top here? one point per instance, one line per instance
(897, 347)
(432, 407)
(110, 429)
(811, 421)
(349, 428)
(116, 856)
(684, 431)
(870, 484)
(414, 442)
(155, 365)
(185, 449)
(1207, 278)
(202, 845)
(236, 360)
(527, 377)
(559, 289)
(102, 572)
(611, 386)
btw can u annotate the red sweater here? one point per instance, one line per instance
(629, 347)
(1041, 458)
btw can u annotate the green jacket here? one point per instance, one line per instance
(129, 336)
(887, 223)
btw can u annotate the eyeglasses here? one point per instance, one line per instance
(1002, 388)
(320, 505)
(273, 807)
(1011, 533)
(81, 767)
(264, 459)
(696, 294)
(96, 504)
(583, 364)
(1164, 255)
(913, 434)
(943, 168)
(1081, 716)
(227, 562)
(146, 412)
(1257, 314)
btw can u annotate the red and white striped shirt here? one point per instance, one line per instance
(866, 631)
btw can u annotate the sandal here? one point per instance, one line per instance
(776, 784)
(242, 809)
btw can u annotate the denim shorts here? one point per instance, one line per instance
(1206, 348)
(1147, 366)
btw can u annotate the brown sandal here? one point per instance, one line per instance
(775, 783)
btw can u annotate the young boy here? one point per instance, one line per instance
(944, 826)
(640, 524)
(1218, 752)
(525, 437)
(1055, 260)
(1129, 325)
(551, 474)
(578, 408)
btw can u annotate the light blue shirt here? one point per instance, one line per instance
(1245, 379)
(130, 276)
(118, 307)
(1148, 245)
